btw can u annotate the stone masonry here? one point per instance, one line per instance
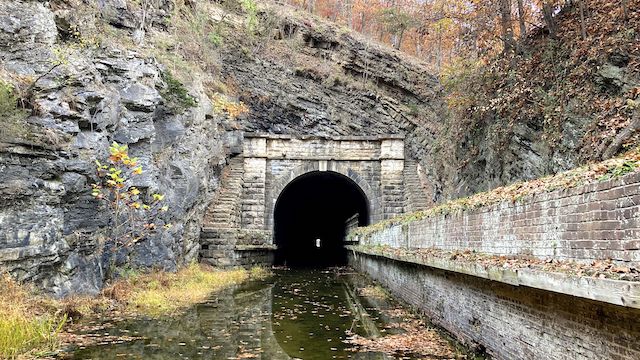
(511, 322)
(269, 163)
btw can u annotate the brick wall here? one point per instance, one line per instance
(511, 322)
(595, 221)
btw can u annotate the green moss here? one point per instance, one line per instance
(413, 109)
(215, 38)
(624, 168)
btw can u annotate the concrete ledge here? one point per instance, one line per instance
(617, 292)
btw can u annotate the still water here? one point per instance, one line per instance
(294, 315)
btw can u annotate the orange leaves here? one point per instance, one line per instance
(223, 105)
(604, 269)
(411, 336)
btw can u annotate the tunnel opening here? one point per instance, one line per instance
(310, 219)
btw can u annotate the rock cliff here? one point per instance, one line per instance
(85, 77)
(81, 98)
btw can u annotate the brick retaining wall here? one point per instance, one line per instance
(592, 222)
(511, 322)
(595, 221)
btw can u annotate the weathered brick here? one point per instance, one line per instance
(511, 322)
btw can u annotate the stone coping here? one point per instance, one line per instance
(318, 137)
(617, 292)
(327, 158)
(262, 247)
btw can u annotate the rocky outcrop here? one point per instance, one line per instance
(298, 76)
(52, 230)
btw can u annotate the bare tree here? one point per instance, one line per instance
(310, 5)
(547, 13)
(521, 19)
(583, 26)
(505, 23)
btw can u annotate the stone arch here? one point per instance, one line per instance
(278, 185)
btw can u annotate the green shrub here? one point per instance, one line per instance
(176, 95)
(250, 7)
(215, 38)
(10, 102)
(12, 115)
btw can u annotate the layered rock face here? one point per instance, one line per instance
(52, 230)
(312, 78)
(307, 78)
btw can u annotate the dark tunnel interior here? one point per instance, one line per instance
(316, 206)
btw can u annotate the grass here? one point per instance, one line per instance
(26, 325)
(177, 96)
(13, 116)
(162, 293)
(30, 323)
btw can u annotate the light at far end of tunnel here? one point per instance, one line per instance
(310, 219)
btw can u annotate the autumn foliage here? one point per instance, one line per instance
(444, 31)
(135, 216)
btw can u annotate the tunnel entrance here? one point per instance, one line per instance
(310, 216)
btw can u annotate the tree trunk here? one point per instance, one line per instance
(505, 22)
(521, 15)
(547, 13)
(439, 53)
(583, 26)
(625, 9)
(349, 13)
(623, 136)
(399, 38)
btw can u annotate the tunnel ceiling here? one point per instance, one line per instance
(316, 206)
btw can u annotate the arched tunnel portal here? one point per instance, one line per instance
(310, 219)
(282, 193)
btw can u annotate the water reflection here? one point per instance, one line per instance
(295, 315)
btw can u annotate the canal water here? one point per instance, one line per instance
(296, 314)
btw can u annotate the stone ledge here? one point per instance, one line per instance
(617, 292)
(255, 247)
(31, 251)
(317, 137)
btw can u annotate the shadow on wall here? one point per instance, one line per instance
(310, 217)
